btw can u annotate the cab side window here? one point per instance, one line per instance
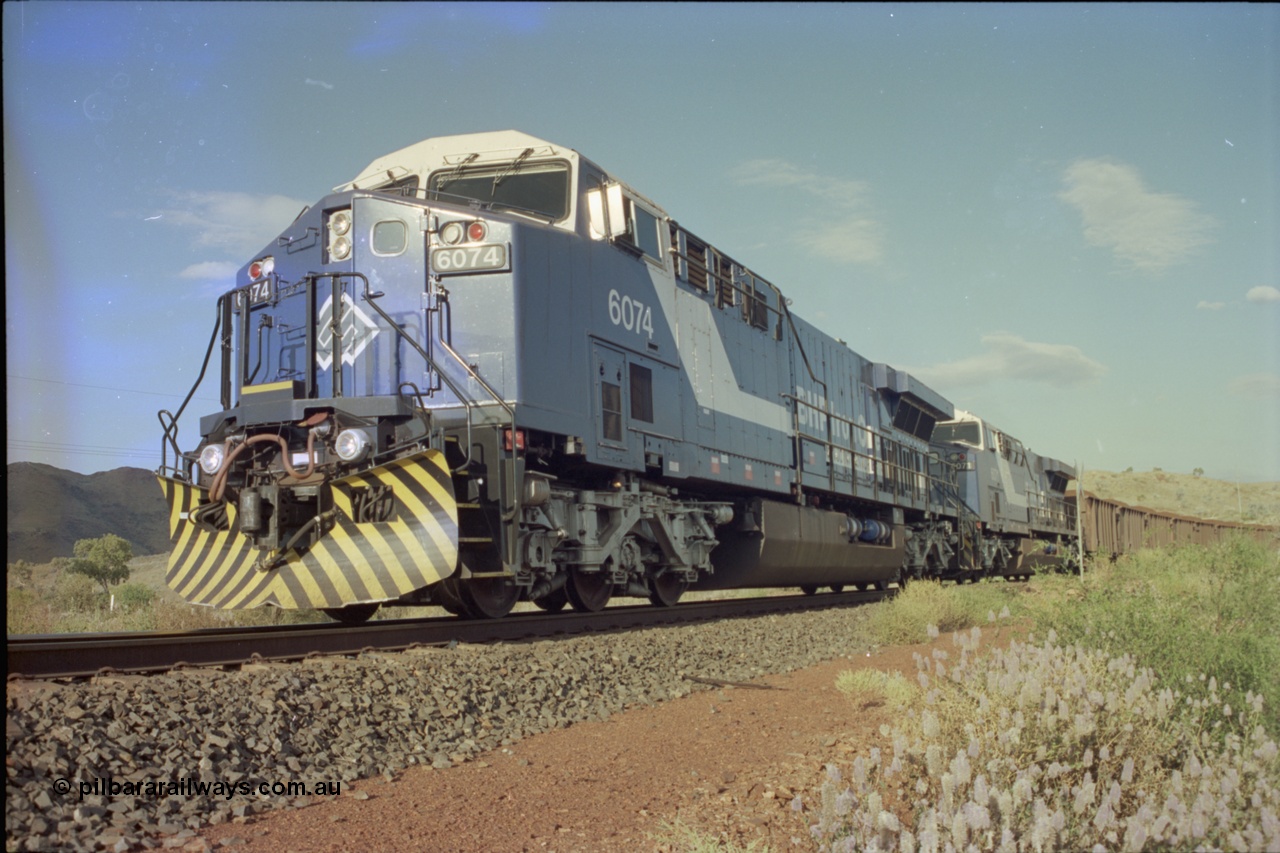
(644, 226)
(642, 231)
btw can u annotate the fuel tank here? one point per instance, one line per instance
(778, 544)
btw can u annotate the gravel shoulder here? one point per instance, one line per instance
(727, 759)
(582, 743)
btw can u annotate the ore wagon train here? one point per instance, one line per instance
(1110, 528)
(486, 369)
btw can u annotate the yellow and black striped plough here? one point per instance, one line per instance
(353, 563)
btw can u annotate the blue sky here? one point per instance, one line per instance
(1063, 218)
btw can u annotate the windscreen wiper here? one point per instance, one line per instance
(510, 170)
(456, 173)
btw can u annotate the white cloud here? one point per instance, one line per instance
(853, 240)
(235, 222)
(210, 270)
(1263, 293)
(1256, 385)
(1145, 230)
(780, 173)
(1009, 356)
(1209, 306)
(850, 234)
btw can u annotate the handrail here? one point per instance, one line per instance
(480, 380)
(169, 435)
(511, 490)
(886, 475)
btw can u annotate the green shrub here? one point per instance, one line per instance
(133, 596)
(19, 574)
(26, 612)
(105, 560)
(76, 594)
(1184, 612)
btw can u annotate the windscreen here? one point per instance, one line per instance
(542, 189)
(958, 432)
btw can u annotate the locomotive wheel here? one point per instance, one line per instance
(553, 602)
(352, 614)
(666, 589)
(446, 594)
(837, 588)
(488, 598)
(589, 592)
(809, 588)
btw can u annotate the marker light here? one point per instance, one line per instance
(476, 232)
(211, 459)
(261, 267)
(451, 234)
(352, 445)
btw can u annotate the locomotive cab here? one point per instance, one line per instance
(1016, 497)
(386, 369)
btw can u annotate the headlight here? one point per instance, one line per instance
(211, 459)
(339, 243)
(352, 445)
(451, 234)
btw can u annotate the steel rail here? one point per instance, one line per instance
(80, 655)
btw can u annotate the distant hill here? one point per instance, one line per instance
(1187, 494)
(50, 509)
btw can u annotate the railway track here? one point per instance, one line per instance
(80, 655)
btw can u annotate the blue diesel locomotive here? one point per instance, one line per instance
(486, 369)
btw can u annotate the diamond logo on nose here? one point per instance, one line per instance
(357, 331)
